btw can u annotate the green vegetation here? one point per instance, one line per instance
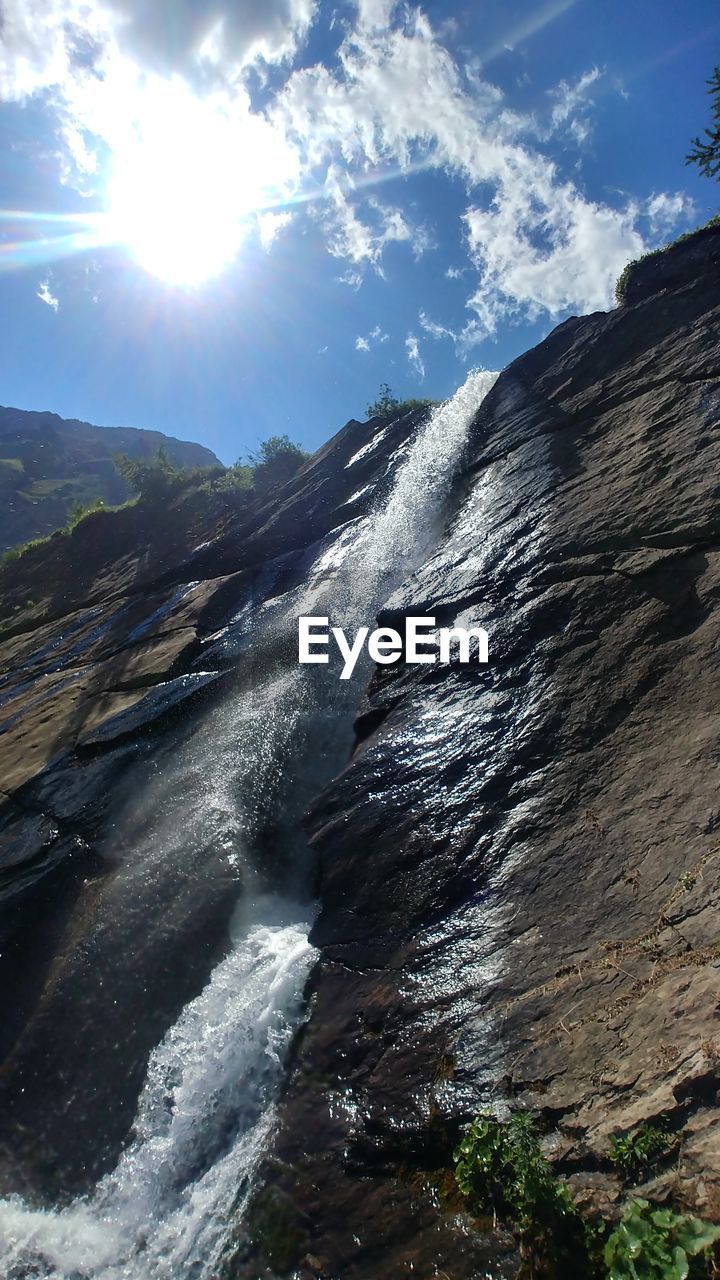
(79, 510)
(236, 479)
(14, 553)
(76, 514)
(635, 1152)
(628, 273)
(705, 153)
(155, 479)
(387, 405)
(501, 1170)
(274, 463)
(658, 1244)
(152, 477)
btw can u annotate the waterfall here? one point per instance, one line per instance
(206, 1111)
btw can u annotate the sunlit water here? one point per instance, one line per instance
(205, 1114)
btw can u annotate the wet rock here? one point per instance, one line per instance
(520, 866)
(122, 841)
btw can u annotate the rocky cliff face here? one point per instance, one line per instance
(521, 865)
(518, 869)
(48, 463)
(128, 700)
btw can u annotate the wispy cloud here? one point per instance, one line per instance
(536, 242)
(572, 105)
(664, 211)
(45, 295)
(412, 348)
(375, 337)
(470, 335)
(351, 278)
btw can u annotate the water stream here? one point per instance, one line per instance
(205, 1113)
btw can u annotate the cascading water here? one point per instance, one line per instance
(205, 1113)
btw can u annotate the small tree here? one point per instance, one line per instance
(275, 462)
(146, 477)
(706, 154)
(385, 404)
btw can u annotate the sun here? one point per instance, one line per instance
(183, 186)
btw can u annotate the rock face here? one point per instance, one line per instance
(48, 463)
(121, 729)
(519, 867)
(521, 864)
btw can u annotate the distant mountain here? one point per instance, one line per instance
(48, 463)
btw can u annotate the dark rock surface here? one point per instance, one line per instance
(521, 864)
(695, 253)
(112, 688)
(48, 463)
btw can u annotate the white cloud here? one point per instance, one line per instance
(571, 103)
(374, 15)
(455, 273)
(537, 243)
(175, 35)
(40, 41)
(53, 42)
(664, 211)
(435, 330)
(351, 278)
(360, 239)
(270, 225)
(542, 247)
(470, 335)
(412, 348)
(375, 337)
(45, 295)
(393, 100)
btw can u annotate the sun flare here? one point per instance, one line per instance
(184, 186)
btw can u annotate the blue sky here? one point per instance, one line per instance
(271, 209)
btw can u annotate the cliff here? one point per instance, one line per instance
(49, 463)
(517, 866)
(520, 866)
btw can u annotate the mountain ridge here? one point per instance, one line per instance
(49, 463)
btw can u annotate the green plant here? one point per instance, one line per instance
(500, 1168)
(14, 553)
(387, 405)
(236, 479)
(635, 1151)
(148, 477)
(78, 511)
(274, 463)
(706, 154)
(656, 1244)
